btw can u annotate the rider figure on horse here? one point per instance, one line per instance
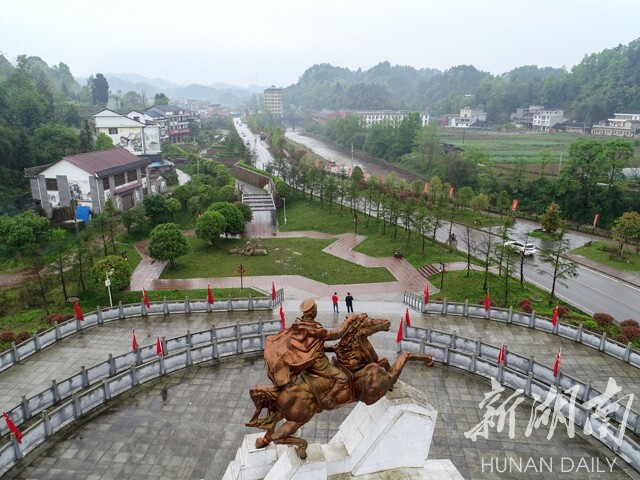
(304, 352)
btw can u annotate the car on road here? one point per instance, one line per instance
(526, 249)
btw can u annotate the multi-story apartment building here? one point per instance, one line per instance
(133, 131)
(173, 121)
(468, 117)
(536, 117)
(625, 125)
(273, 101)
(544, 119)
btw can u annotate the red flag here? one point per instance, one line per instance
(12, 427)
(554, 319)
(406, 318)
(487, 301)
(76, 309)
(501, 354)
(159, 347)
(135, 340)
(514, 205)
(145, 299)
(273, 291)
(451, 192)
(426, 187)
(426, 294)
(556, 366)
(210, 295)
(282, 323)
(400, 332)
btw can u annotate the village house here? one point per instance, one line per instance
(90, 179)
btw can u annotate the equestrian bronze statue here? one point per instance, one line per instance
(305, 382)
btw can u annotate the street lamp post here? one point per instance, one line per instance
(284, 203)
(107, 284)
(241, 270)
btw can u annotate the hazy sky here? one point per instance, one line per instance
(266, 42)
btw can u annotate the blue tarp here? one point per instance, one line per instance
(82, 213)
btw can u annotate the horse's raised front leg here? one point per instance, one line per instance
(404, 357)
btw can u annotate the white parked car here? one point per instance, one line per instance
(527, 249)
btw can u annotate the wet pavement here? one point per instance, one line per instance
(189, 424)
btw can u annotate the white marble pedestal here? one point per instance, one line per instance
(394, 433)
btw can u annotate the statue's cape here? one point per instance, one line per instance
(288, 353)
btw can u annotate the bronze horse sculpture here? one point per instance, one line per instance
(370, 378)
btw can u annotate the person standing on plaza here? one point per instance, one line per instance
(334, 299)
(349, 301)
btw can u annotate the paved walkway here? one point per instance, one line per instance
(407, 277)
(189, 424)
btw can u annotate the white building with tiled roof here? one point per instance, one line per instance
(135, 131)
(90, 179)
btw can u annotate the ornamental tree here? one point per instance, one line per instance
(626, 229)
(210, 225)
(551, 219)
(167, 242)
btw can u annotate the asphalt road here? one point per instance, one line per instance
(591, 291)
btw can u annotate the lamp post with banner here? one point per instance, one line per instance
(241, 270)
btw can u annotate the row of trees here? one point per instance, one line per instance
(401, 206)
(591, 181)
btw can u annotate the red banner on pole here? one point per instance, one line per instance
(273, 291)
(400, 335)
(134, 342)
(426, 294)
(406, 318)
(282, 322)
(501, 354)
(145, 299)
(78, 312)
(554, 319)
(487, 301)
(12, 427)
(556, 366)
(159, 347)
(210, 295)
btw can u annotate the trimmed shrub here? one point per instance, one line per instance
(524, 301)
(22, 336)
(603, 319)
(591, 326)
(563, 310)
(7, 337)
(631, 332)
(526, 307)
(56, 318)
(629, 323)
(620, 338)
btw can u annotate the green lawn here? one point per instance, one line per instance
(607, 254)
(286, 256)
(304, 216)
(458, 287)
